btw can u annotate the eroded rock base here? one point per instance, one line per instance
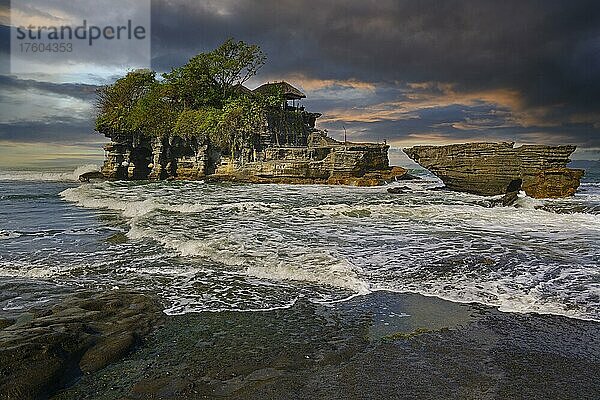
(489, 169)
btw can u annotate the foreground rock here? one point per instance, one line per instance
(491, 169)
(88, 176)
(43, 351)
(379, 346)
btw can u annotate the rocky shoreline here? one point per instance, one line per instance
(377, 346)
(46, 349)
(485, 169)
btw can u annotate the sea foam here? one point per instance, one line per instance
(49, 176)
(526, 258)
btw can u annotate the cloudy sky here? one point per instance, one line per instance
(409, 72)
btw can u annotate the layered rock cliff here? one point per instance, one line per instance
(320, 160)
(490, 169)
(323, 160)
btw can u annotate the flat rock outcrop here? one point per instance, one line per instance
(322, 161)
(46, 349)
(490, 169)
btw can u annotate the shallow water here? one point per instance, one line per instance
(255, 247)
(376, 346)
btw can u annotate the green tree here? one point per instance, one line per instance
(195, 100)
(208, 78)
(201, 123)
(240, 124)
(191, 85)
(154, 114)
(115, 102)
(234, 63)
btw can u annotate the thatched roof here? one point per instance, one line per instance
(290, 92)
(241, 89)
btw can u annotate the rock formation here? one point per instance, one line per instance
(321, 160)
(288, 149)
(44, 350)
(490, 169)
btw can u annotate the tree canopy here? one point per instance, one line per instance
(208, 78)
(153, 114)
(115, 102)
(197, 99)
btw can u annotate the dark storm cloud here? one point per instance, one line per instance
(40, 111)
(400, 70)
(475, 43)
(63, 130)
(444, 132)
(548, 52)
(77, 90)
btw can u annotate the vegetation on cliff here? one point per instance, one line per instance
(198, 99)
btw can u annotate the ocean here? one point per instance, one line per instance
(224, 246)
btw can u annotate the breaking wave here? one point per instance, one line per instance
(69, 176)
(6, 235)
(262, 245)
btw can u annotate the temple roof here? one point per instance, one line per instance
(290, 92)
(241, 89)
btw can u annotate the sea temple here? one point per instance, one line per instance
(285, 148)
(199, 122)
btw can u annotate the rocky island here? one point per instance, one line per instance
(490, 169)
(201, 122)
